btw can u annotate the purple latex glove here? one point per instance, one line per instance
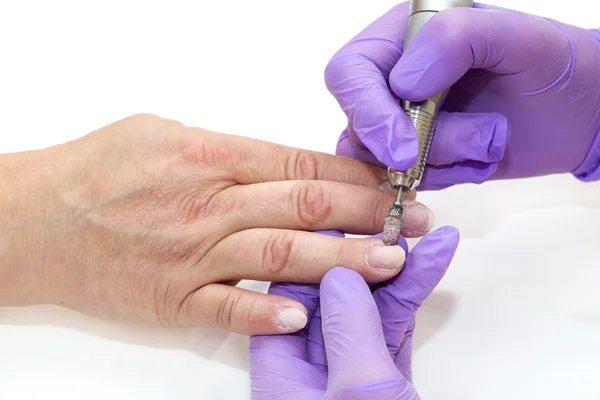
(524, 98)
(357, 344)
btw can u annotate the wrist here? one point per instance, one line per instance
(22, 266)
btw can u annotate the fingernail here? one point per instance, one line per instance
(385, 257)
(430, 219)
(418, 219)
(290, 319)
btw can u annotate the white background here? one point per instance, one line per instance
(517, 316)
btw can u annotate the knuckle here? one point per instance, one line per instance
(194, 207)
(221, 203)
(174, 250)
(454, 24)
(331, 73)
(226, 309)
(302, 165)
(200, 154)
(204, 153)
(249, 316)
(148, 118)
(147, 124)
(312, 204)
(144, 118)
(277, 252)
(344, 63)
(198, 203)
(136, 123)
(339, 255)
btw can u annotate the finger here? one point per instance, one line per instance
(357, 77)
(398, 299)
(458, 39)
(350, 145)
(293, 344)
(466, 149)
(352, 332)
(381, 42)
(295, 256)
(437, 178)
(317, 205)
(242, 311)
(253, 161)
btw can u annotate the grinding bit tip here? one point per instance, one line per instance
(391, 230)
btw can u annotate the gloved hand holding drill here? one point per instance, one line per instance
(524, 98)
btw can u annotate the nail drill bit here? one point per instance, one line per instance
(423, 116)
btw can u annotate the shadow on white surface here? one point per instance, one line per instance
(203, 342)
(477, 210)
(433, 315)
(206, 343)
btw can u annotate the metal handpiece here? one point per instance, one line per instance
(423, 116)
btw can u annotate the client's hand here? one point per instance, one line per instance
(147, 220)
(357, 344)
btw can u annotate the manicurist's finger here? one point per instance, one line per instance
(399, 299)
(357, 76)
(352, 332)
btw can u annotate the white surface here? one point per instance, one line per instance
(518, 315)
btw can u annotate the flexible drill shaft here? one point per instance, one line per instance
(423, 116)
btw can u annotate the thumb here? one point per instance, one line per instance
(352, 332)
(242, 311)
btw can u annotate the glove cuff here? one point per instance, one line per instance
(589, 170)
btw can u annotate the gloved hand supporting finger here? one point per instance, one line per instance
(352, 332)
(399, 298)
